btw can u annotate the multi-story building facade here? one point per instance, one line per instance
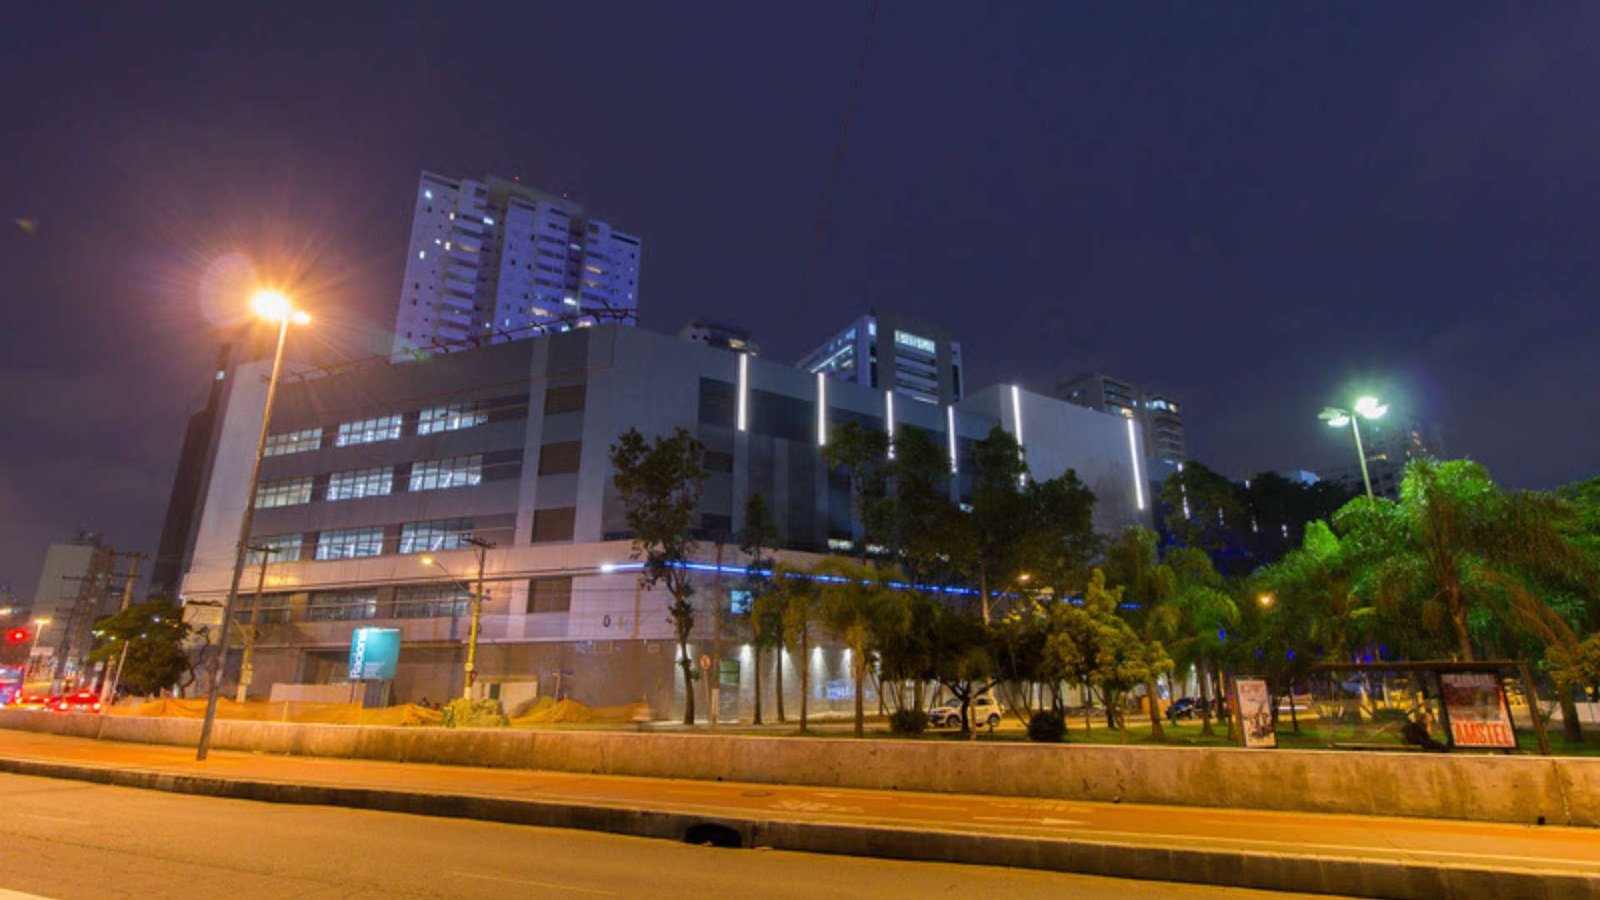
(369, 469)
(493, 260)
(1158, 414)
(912, 358)
(74, 590)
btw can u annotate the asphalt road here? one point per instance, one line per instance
(66, 839)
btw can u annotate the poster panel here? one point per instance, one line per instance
(374, 654)
(1475, 702)
(1254, 703)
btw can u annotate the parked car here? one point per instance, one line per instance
(29, 701)
(1189, 708)
(984, 711)
(77, 701)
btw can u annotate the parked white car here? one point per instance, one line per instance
(984, 711)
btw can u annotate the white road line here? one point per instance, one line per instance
(543, 884)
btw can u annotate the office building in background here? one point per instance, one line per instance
(894, 353)
(1158, 414)
(496, 260)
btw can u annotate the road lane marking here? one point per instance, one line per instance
(543, 884)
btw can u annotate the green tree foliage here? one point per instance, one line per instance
(1578, 667)
(756, 541)
(153, 634)
(859, 608)
(659, 482)
(1094, 646)
(864, 455)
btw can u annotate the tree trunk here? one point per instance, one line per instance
(1155, 711)
(687, 665)
(1294, 718)
(778, 685)
(805, 681)
(1205, 697)
(860, 674)
(1571, 728)
(1458, 618)
(757, 651)
(983, 590)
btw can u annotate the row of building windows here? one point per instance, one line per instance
(429, 475)
(433, 420)
(411, 601)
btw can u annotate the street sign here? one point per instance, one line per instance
(374, 654)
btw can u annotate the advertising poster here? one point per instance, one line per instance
(1475, 703)
(1254, 703)
(374, 654)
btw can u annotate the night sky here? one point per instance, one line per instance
(1261, 209)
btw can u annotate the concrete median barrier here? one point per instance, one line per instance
(1524, 789)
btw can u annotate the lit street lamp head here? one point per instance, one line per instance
(427, 560)
(274, 306)
(1265, 599)
(1370, 408)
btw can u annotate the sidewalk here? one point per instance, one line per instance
(1360, 855)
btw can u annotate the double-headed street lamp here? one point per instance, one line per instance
(482, 546)
(1365, 408)
(274, 307)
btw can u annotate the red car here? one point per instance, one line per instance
(30, 701)
(78, 701)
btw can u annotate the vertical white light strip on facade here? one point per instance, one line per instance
(1016, 419)
(1138, 477)
(950, 430)
(744, 391)
(822, 410)
(888, 414)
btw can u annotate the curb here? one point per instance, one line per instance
(1222, 867)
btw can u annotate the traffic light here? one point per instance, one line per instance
(17, 636)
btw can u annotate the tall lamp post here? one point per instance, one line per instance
(274, 307)
(1365, 408)
(482, 547)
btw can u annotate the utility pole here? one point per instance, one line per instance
(715, 672)
(109, 679)
(483, 546)
(246, 668)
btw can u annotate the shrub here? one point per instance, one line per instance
(464, 713)
(908, 722)
(1047, 727)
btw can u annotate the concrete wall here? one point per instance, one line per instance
(1552, 790)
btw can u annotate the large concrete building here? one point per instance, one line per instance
(373, 467)
(1158, 414)
(913, 358)
(495, 259)
(74, 590)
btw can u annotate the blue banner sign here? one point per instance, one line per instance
(374, 654)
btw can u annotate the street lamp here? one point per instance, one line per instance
(1365, 408)
(273, 306)
(482, 547)
(1265, 600)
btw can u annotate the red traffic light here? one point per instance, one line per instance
(17, 636)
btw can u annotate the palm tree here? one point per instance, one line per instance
(799, 594)
(1463, 549)
(858, 607)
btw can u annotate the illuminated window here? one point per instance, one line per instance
(342, 606)
(288, 492)
(350, 543)
(360, 483)
(439, 474)
(439, 534)
(284, 547)
(293, 442)
(452, 417)
(430, 601)
(368, 431)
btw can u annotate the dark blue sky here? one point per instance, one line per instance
(1258, 207)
